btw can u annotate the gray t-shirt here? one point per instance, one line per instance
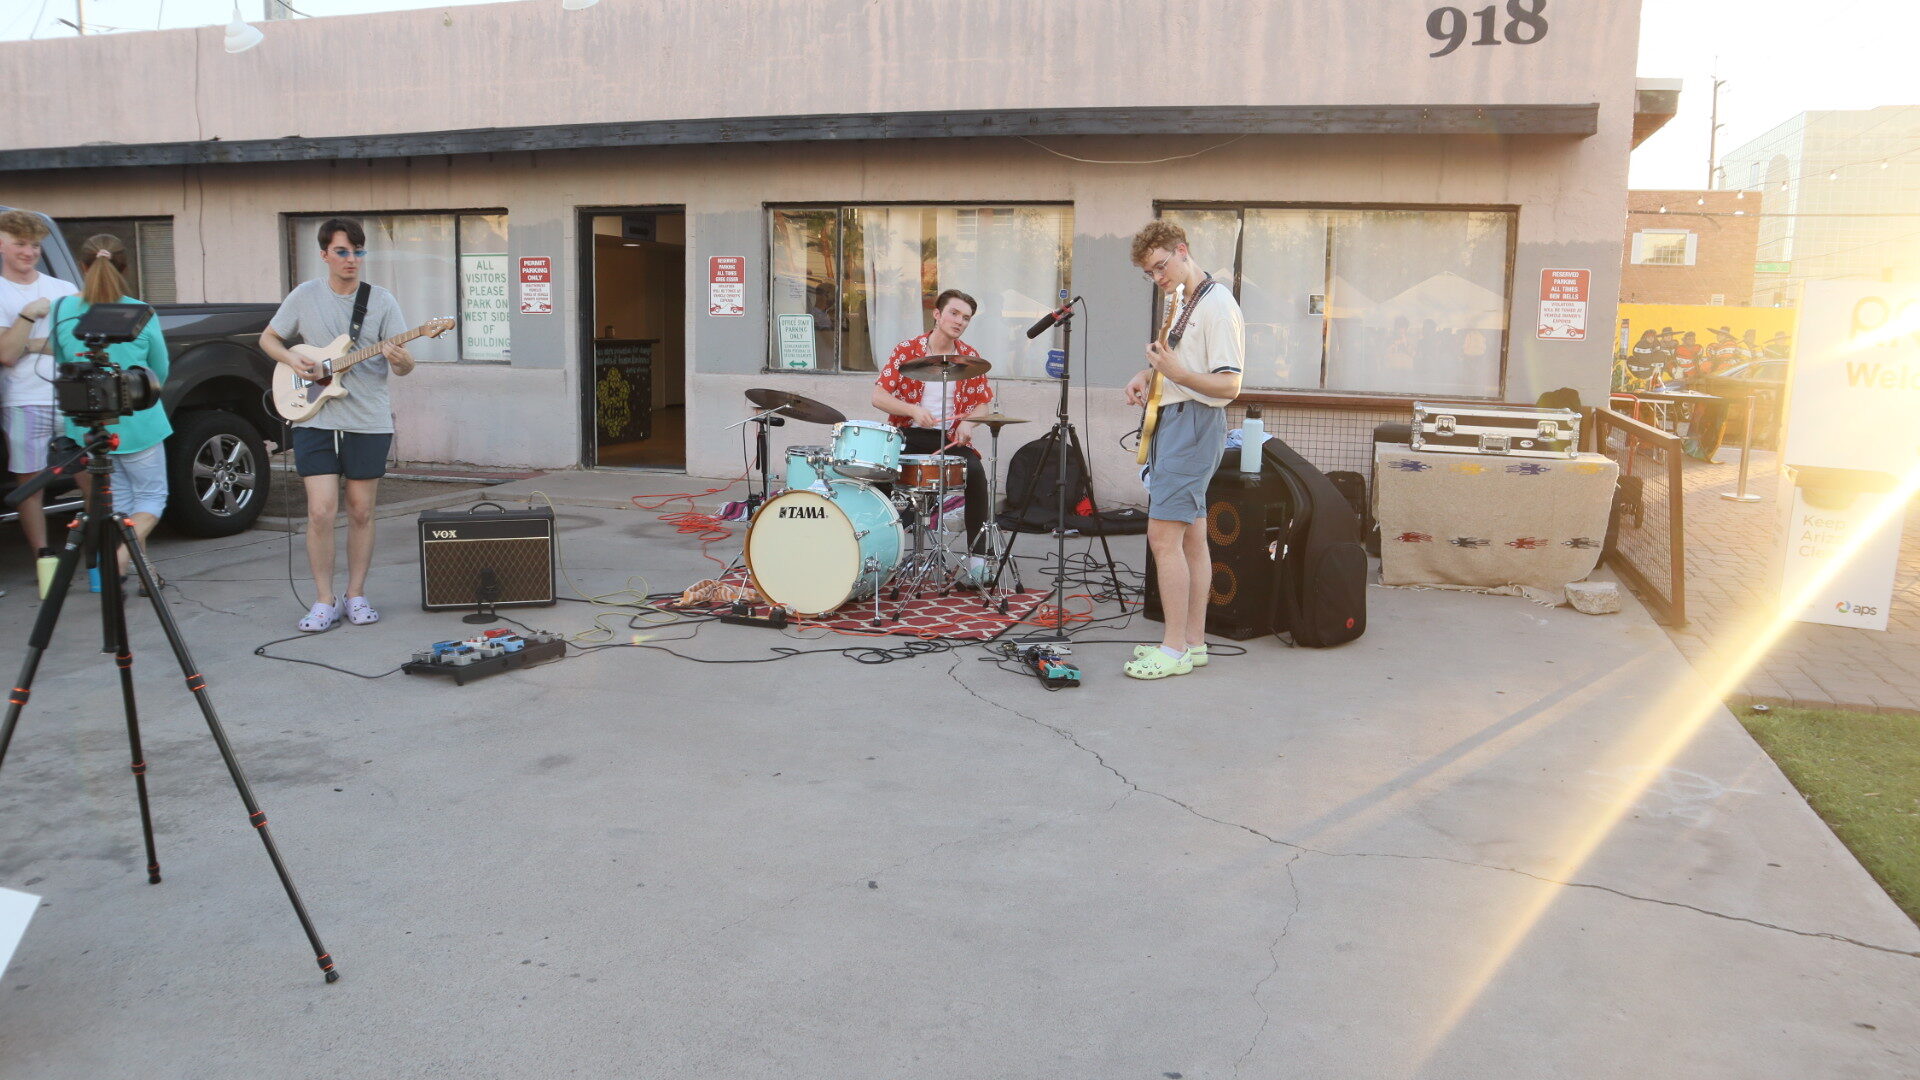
(314, 314)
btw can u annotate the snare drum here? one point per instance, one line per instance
(801, 473)
(865, 450)
(925, 472)
(814, 550)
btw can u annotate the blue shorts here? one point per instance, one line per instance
(1188, 443)
(356, 455)
(140, 481)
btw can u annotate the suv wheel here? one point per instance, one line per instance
(217, 474)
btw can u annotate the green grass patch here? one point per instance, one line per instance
(1861, 773)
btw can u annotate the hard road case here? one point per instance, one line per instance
(1492, 428)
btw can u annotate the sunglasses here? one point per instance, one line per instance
(342, 253)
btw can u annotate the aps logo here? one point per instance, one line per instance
(1847, 607)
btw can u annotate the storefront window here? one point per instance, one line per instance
(149, 243)
(1401, 302)
(864, 278)
(434, 264)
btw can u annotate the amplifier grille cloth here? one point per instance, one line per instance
(453, 570)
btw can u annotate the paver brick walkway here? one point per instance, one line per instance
(1730, 583)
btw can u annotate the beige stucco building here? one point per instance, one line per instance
(1385, 184)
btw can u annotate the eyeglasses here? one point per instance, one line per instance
(342, 253)
(1153, 271)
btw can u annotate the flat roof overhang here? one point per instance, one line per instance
(1562, 120)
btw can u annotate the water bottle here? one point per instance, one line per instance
(1252, 434)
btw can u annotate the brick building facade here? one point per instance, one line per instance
(1700, 250)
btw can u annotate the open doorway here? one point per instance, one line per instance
(634, 389)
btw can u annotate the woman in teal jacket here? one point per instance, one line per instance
(140, 461)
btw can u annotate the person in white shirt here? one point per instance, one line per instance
(26, 367)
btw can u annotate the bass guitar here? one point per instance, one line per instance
(296, 398)
(1150, 412)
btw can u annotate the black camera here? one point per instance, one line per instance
(94, 387)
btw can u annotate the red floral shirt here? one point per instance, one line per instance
(967, 393)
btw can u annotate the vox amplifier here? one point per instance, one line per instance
(501, 557)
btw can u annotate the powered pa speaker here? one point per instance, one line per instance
(507, 555)
(1245, 516)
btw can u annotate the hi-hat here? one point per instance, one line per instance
(804, 409)
(996, 421)
(946, 367)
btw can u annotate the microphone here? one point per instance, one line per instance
(1062, 314)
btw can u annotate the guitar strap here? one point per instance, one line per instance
(1180, 328)
(360, 315)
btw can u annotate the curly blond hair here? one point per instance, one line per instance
(23, 225)
(1163, 235)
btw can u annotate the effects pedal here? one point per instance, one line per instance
(495, 651)
(1048, 664)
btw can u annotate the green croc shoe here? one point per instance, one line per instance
(1197, 654)
(1158, 665)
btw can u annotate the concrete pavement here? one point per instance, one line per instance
(1486, 840)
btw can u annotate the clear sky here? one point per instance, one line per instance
(1778, 57)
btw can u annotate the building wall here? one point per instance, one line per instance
(683, 62)
(1842, 190)
(1726, 225)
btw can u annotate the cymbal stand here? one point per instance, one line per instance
(992, 594)
(934, 561)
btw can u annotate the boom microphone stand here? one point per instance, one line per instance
(98, 529)
(1061, 437)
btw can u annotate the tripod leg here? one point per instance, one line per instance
(197, 683)
(113, 614)
(42, 632)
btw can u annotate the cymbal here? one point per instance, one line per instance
(946, 367)
(804, 409)
(996, 421)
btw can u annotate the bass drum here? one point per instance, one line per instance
(812, 550)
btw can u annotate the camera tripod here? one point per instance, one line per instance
(97, 529)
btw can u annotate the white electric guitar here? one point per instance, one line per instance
(296, 398)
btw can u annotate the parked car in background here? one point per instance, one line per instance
(217, 465)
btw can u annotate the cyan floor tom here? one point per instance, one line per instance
(801, 470)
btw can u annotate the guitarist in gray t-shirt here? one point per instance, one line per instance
(350, 436)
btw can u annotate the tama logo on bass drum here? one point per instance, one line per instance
(804, 512)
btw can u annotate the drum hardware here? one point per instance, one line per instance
(997, 542)
(932, 558)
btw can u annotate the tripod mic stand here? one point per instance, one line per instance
(1061, 437)
(97, 529)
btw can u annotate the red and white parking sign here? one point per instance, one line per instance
(1563, 304)
(727, 285)
(536, 285)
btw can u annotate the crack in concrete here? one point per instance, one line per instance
(1303, 849)
(1273, 953)
(191, 600)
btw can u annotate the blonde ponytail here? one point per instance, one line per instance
(105, 259)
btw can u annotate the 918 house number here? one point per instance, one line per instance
(1525, 25)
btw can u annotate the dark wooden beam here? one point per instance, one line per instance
(1565, 120)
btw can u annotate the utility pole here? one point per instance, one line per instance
(1713, 132)
(80, 16)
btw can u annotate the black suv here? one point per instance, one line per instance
(215, 393)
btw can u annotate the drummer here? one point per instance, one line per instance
(916, 408)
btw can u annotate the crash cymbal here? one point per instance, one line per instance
(947, 367)
(804, 409)
(996, 421)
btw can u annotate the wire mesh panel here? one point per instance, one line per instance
(1332, 439)
(1646, 534)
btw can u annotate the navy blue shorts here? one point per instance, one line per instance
(353, 454)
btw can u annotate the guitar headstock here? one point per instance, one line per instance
(1174, 299)
(436, 326)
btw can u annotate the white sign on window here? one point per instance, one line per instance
(485, 327)
(796, 343)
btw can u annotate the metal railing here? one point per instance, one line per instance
(1646, 535)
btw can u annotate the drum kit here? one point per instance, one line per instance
(858, 520)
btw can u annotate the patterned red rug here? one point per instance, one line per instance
(949, 615)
